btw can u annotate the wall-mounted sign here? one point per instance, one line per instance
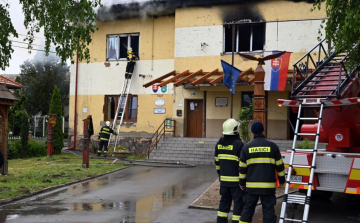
(85, 110)
(159, 102)
(156, 89)
(159, 110)
(221, 102)
(180, 103)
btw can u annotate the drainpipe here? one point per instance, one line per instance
(75, 114)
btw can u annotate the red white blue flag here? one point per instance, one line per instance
(276, 71)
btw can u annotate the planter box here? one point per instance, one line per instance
(122, 155)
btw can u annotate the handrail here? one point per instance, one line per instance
(160, 133)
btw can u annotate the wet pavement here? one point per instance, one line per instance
(148, 194)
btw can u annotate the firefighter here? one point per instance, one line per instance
(131, 60)
(227, 154)
(258, 161)
(104, 136)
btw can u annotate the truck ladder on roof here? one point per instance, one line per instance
(120, 111)
(301, 199)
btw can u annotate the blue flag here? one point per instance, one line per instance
(231, 74)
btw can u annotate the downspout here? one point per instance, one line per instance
(75, 114)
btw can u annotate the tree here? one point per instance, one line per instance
(15, 116)
(245, 117)
(68, 24)
(24, 133)
(39, 78)
(342, 26)
(56, 108)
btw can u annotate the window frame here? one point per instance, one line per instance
(237, 33)
(242, 97)
(128, 35)
(126, 117)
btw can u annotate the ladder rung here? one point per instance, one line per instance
(306, 134)
(299, 183)
(301, 166)
(320, 85)
(290, 219)
(315, 90)
(305, 150)
(309, 119)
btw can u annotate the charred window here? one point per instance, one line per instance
(248, 37)
(117, 45)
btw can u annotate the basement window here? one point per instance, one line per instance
(248, 38)
(116, 45)
(111, 102)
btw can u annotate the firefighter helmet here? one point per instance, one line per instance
(129, 49)
(107, 123)
(231, 127)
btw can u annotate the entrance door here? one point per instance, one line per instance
(194, 118)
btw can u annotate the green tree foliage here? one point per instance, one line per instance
(342, 25)
(24, 133)
(245, 117)
(56, 108)
(39, 78)
(6, 31)
(15, 116)
(67, 24)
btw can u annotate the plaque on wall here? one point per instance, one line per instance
(221, 102)
(159, 110)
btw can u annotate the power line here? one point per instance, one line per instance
(24, 43)
(26, 36)
(33, 49)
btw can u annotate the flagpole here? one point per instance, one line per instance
(232, 67)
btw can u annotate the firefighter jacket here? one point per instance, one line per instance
(105, 133)
(131, 57)
(258, 161)
(227, 154)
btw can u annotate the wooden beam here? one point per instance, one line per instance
(216, 80)
(158, 80)
(251, 80)
(174, 79)
(244, 73)
(188, 78)
(201, 79)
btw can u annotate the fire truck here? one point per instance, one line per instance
(331, 92)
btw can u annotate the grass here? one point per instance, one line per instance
(305, 144)
(34, 174)
(137, 157)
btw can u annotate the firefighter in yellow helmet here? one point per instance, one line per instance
(104, 136)
(131, 60)
(227, 155)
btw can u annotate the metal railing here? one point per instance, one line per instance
(160, 133)
(301, 67)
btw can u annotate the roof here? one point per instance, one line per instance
(10, 84)
(199, 78)
(6, 94)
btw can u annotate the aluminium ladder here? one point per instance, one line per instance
(302, 199)
(120, 111)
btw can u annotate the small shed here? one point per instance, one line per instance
(7, 99)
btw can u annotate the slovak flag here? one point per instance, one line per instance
(276, 71)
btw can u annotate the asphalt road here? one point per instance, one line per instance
(147, 194)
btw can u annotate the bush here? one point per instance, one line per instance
(56, 108)
(245, 117)
(35, 149)
(305, 144)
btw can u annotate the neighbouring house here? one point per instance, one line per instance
(187, 38)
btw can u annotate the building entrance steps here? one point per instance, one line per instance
(198, 151)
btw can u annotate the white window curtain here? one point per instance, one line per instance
(113, 50)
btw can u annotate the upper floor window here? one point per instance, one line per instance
(117, 45)
(248, 37)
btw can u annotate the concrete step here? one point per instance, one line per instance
(183, 152)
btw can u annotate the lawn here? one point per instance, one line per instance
(34, 174)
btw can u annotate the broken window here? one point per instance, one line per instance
(117, 45)
(111, 103)
(248, 37)
(246, 98)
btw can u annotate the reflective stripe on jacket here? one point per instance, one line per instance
(259, 161)
(105, 133)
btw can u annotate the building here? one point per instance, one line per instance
(191, 36)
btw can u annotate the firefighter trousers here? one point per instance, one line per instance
(228, 194)
(267, 201)
(129, 69)
(101, 145)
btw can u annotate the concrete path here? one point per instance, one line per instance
(147, 194)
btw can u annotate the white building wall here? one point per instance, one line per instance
(292, 36)
(98, 79)
(188, 41)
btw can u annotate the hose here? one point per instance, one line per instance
(140, 163)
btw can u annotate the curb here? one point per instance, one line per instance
(48, 189)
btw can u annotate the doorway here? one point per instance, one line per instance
(194, 118)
